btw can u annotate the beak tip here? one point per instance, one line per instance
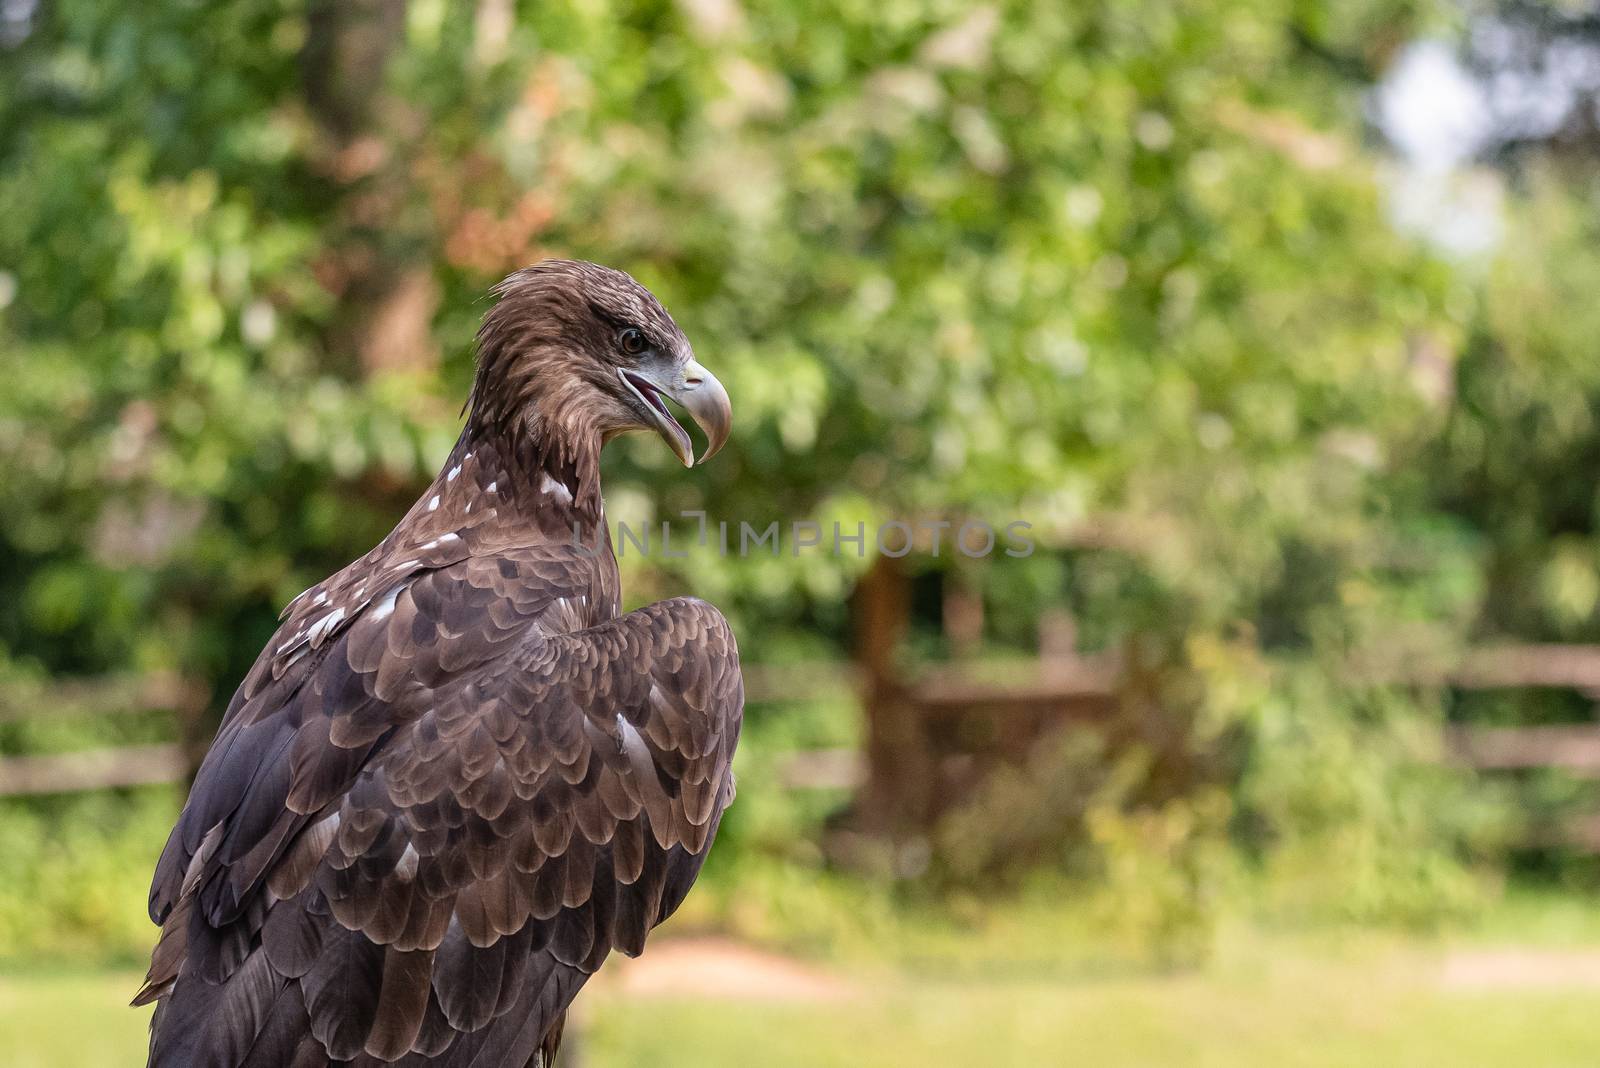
(703, 397)
(708, 405)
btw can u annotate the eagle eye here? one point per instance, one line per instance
(632, 341)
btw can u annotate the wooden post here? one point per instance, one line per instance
(962, 612)
(899, 771)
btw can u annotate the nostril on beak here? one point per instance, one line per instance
(692, 382)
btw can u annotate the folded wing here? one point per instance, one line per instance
(427, 834)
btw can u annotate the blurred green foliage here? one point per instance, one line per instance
(73, 867)
(1121, 271)
(1021, 261)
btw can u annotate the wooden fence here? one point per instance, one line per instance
(912, 722)
(95, 769)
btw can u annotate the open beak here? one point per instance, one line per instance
(700, 394)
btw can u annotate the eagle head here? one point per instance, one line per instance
(571, 348)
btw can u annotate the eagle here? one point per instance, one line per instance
(458, 776)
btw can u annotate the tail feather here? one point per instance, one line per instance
(166, 960)
(248, 1011)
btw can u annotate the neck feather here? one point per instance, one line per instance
(532, 417)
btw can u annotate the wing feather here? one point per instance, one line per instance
(443, 813)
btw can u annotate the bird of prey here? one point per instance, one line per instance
(458, 776)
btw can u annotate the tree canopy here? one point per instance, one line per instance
(1124, 272)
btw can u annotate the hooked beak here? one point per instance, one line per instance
(701, 395)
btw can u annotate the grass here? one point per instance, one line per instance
(1161, 1024)
(53, 1019)
(1267, 1001)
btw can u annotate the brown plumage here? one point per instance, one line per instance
(457, 777)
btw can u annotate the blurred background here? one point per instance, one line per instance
(1275, 320)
